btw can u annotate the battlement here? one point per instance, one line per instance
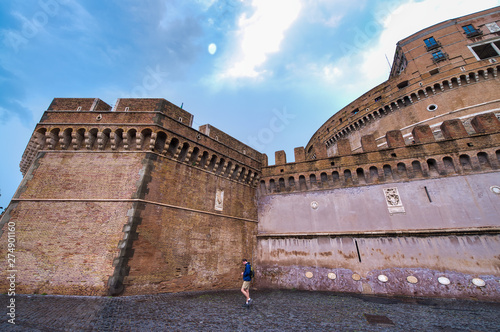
(130, 105)
(458, 153)
(135, 125)
(78, 104)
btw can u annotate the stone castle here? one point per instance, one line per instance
(398, 193)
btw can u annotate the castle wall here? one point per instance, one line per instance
(68, 215)
(130, 202)
(452, 231)
(184, 243)
(390, 220)
(412, 265)
(437, 204)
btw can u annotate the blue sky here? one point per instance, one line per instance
(267, 72)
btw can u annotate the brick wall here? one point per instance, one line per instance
(67, 233)
(184, 243)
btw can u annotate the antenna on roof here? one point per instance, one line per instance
(388, 63)
(182, 105)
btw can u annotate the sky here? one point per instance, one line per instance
(267, 72)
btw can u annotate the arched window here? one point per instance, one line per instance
(373, 174)
(324, 179)
(449, 166)
(194, 156)
(335, 178)
(281, 183)
(203, 160)
(312, 180)
(360, 173)
(66, 143)
(145, 139)
(465, 162)
(172, 147)
(228, 169)
(482, 157)
(92, 142)
(402, 170)
(105, 140)
(131, 140)
(263, 189)
(220, 167)
(417, 168)
(161, 138)
(433, 168)
(117, 141)
(387, 172)
(302, 183)
(183, 153)
(272, 186)
(213, 162)
(291, 182)
(347, 177)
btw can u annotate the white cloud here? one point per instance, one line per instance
(368, 61)
(261, 34)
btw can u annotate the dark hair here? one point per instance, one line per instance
(244, 260)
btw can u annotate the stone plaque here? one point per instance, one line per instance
(383, 278)
(478, 282)
(393, 200)
(219, 200)
(412, 279)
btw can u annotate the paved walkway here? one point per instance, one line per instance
(273, 310)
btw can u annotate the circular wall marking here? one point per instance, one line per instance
(495, 189)
(314, 205)
(478, 282)
(332, 276)
(356, 276)
(309, 275)
(444, 281)
(412, 279)
(383, 278)
(432, 107)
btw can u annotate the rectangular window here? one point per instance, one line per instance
(470, 31)
(486, 49)
(438, 56)
(431, 43)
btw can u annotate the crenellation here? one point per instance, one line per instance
(299, 154)
(280, 157)
(394, 139)
(486, 123)
(453, 129)
(460, 154)
(368, 143)
(422, 134)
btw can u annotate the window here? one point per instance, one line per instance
(470, 31)
(434, 71)
(438, 56)
(355, 111)
(431, 43)
(485, 50)
(403, 84)
(378, 98)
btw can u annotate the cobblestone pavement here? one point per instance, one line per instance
(273, 310)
